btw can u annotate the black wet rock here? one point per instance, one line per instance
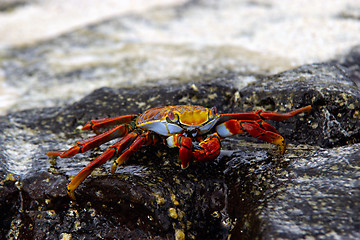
(247, 192)
(351, 62)
(9, 203)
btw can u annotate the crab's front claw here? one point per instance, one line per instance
(209, 149)
(185, 145)
(185, 151)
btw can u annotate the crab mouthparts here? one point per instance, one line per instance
(191, 132)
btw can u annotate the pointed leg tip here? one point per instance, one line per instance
(71, 193)
(53, 154)
(184, 166)
(113, 168)
(86, 127)
(308, 108)
(282, 149)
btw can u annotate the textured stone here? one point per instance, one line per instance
(247, 192)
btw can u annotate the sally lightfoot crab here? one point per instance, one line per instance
(175, 126)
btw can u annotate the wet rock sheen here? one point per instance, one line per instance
(248, 192)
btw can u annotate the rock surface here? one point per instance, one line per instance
(247, 192)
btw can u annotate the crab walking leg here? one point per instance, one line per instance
(145, 138)
(256, 129)
(283, 116)
(209, 149)
(108, 122)
(92, 142)
(185, 145)
(111, 151)
(258, 115)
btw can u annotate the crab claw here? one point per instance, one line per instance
(185, 145)
(209, 149)
(185, 152)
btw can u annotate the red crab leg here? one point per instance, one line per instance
(283, 116)
(92, 142)
(108, 122)
(145, 138)
(111, 151)
(257, 115)
(185, 145)
(257, 129)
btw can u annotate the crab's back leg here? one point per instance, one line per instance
(108, 122)
(283, 116)
(92, 142)
(145, 138)
(111, 151)
(257, 129)
(257, 115)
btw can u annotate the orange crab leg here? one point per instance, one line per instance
(257, 129)
(257, 115)
(92, 142)
(108, 122)
(145, 138)
(111, 151)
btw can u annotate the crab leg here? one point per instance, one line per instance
(259, 114)
(108, 122)
(111, 151)
(283, 116)
(145, 138)
(92, 142)
(257, 129)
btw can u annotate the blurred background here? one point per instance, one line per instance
(53, 52)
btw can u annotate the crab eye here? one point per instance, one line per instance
(171, 115)
(213, 111)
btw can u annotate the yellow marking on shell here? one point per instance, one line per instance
(193, 118)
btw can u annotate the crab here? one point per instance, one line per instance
(175, 126)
